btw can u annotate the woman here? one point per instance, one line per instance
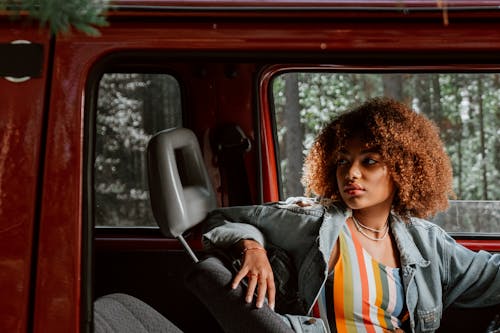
(365, 257)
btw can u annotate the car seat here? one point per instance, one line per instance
(122, 313)
(181, 196)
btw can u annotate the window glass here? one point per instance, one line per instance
(463, 105)
(131, 107)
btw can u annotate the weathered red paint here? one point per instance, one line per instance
(21, 121)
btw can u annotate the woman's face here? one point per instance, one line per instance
(363, 178)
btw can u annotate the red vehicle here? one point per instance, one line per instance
(76, 113)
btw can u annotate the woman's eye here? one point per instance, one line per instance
(342, 161)
(370, 161)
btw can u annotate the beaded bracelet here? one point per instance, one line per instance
(251, 249)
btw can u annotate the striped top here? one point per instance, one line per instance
(363, 295)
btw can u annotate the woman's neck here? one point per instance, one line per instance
(375, 219)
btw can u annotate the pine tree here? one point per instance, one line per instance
(61, 15)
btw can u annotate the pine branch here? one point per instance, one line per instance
(62, 15)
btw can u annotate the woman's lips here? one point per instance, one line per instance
(353, 189)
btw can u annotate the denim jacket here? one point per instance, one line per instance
(436, 271)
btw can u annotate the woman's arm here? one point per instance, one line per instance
(232, 227)
(288, 226)
(473, 278)
(224, 227)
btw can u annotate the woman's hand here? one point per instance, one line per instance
(257, 269)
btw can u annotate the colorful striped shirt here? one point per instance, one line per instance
(363, 295)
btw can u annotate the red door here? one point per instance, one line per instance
(22, 107)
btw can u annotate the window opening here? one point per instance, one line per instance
(463, 105)
(131, 107)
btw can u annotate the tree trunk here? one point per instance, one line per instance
(436, 107)
(293, 137)
(482, 138)
(458, 139)
(393, 86)
(422, 88)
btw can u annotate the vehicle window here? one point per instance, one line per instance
(463, 105)
(131, 107)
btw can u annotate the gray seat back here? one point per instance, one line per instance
(180, 189)
(181, 196)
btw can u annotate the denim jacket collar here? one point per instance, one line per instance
(409, 253)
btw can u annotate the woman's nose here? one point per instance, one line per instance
(353, 172)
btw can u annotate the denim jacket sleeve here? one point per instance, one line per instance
(284, 226)
(290, 227)
(225, 226)
(473, 278)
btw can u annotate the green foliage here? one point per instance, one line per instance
(130, 108)
(62, 15)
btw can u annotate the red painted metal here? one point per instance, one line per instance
(320, 37)
(21, 119)
(491, 245)
(270, 181)
(444, 12)
(57, 291)
(57, 297)
(59, 266)
(120, 240)
(304, 3)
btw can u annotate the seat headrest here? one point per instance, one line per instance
(180, 190)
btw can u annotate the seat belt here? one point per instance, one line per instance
(230, 144)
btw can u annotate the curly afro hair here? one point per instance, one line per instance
(409, 144)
